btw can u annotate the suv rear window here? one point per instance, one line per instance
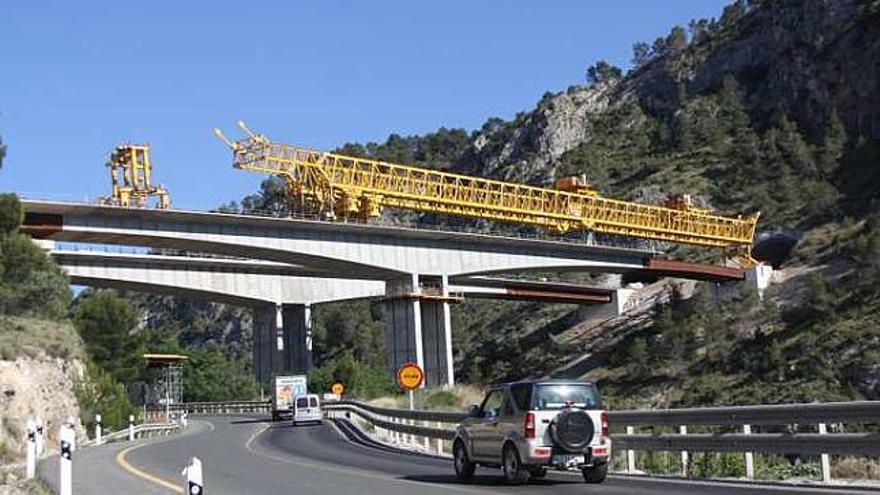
(522, 395)
(557, 396)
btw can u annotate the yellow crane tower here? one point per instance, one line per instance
(345, 185)
(130, 178)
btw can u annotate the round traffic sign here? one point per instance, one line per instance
(410, 376)
(337, 388)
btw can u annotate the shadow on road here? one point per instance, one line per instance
(484, 480)
(355, 435)
(250, 421)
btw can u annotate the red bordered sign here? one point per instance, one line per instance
(410, 376)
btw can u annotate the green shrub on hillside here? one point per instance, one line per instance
(30, 282)
(209, 375)
(11, 213)
(107, 323)
(363, 381)
(99, 393)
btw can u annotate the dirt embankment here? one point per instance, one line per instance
(40, 365)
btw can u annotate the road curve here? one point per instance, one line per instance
(252, 456)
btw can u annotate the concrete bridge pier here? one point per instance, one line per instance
(418, 327)
(297, 326)
(282, 340)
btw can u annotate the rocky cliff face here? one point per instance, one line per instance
(795, 57)
(37, 387)
(528, 150)
(801, 58)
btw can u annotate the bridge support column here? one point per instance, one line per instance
(282, 340)
(418, 328)
(267, 339)
(297, 323)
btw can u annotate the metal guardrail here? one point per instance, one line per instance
(139, 431)
(828, 412)
(388, 423)
(782, 443)
(867, 444)
(214, 408)
(420, 415)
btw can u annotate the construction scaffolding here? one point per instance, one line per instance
(170, 390)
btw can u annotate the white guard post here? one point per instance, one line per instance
(193, 474)
(131, 428)
(65, 462)
(39, 437)
(31, 467)
(98, 430)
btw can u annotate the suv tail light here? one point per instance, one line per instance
(604, 424)
(530, 426)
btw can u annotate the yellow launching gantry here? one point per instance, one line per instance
(348, 186)
(130, 178)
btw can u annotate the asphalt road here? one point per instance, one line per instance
(252, 456)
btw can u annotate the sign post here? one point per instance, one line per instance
(410, 377)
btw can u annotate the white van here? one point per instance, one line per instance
(306, 408)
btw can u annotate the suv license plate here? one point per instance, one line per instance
(568, 460)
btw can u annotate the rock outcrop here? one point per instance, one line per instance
(41, 387)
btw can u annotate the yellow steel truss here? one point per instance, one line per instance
(130, 178)
(358, 186)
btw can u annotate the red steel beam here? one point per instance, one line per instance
(695, 271)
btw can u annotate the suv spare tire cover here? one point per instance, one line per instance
(572, 430)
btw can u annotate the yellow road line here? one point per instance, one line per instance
(123, 462)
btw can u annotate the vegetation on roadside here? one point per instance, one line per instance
(362, 380)
(100, 393)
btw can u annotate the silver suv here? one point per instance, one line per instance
(529, 427)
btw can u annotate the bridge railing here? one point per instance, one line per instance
(790, 429)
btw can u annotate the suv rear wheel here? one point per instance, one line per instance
(514, 471)
(595, 474)
(464, 468)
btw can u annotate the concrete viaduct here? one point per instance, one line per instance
(286, 265)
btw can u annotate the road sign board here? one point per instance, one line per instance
(410, 376)
(337, 388)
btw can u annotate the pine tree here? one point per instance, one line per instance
(832, 146)
(11, 214)
(659, 48)
(602, 71)
(699, 30)
(733, 111)
(106, 324)
(733, 13)
(641, 54)
(677, 39)
(795, 149)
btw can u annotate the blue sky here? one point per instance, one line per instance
(80, 77)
